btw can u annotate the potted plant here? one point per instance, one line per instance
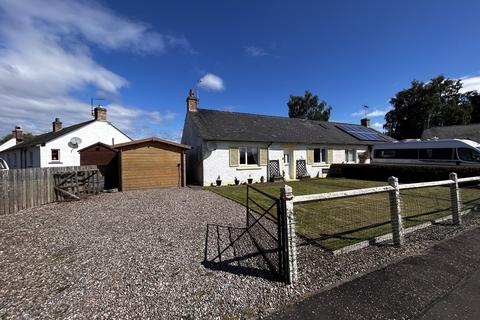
(219, 181)
(237, 182)
(262, 179)
(250, 180)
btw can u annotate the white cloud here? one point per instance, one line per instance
(470, 84)
(371, 114)
(211, 82)
(135, 120)
(253, 51)
(378, 126)
(45, 58)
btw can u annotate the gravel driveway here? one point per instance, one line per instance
(139, 254)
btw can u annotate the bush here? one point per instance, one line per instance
(404, 173)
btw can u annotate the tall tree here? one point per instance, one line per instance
(425, 105)
(474, 98)
(26, 136)
(308, 107)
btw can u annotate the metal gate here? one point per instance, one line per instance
(266, 225)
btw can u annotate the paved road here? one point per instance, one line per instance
(443, 283)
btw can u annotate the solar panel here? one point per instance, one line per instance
(361, 133)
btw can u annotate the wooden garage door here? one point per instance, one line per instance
(151, 165)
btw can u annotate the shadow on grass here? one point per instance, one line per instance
(232, 250)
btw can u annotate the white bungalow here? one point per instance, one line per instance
(233, 145)
(55, 148)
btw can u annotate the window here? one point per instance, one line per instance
(14, 160)
(319, 155)
(436, 154)
(248, 155)
(55, 155)
(31, 158)
(466, 154)
(350, 155)
(396, 153)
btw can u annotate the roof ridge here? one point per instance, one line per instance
(39, 138)
(454, 125)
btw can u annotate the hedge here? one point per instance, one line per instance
(404, 173)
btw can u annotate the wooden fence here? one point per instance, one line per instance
(26, 188)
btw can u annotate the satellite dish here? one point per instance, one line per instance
(74, 142)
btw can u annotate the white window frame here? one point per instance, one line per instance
(244, 150)
(323, 155)
(354, 155)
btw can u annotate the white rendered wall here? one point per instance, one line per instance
(217, 161)
(98, 131)
(8, 144)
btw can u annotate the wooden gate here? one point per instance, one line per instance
(75, 185)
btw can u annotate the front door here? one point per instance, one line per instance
(286, 164)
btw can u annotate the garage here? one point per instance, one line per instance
(105, 158)
(151, 163)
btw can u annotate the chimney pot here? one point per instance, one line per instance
(57, 125)
(365, 122)
(192, 102)
(100, 113)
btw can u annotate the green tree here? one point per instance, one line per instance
(425, 105)
(474, 98)
(308, 107)
(26, 137)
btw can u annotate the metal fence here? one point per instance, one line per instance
(345, 220)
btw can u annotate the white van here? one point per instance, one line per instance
(3, 165)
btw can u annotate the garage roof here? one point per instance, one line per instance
(151, 139)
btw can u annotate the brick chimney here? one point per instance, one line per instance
(365, 122)
(57, 125)
(192, 102)
(100, 113)
(18, 134)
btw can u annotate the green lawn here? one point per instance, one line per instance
(334, 224)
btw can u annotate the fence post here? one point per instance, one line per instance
(455, 198)
(290, 245)
(395, 212)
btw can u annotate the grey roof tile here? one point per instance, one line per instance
(44, 138)
(234, 126)
(470, 132)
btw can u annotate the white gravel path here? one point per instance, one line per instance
(139, 255)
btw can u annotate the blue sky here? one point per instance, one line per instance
(143, 56)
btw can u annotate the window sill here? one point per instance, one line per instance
(249, 168)
(321, 164)
(55, 162)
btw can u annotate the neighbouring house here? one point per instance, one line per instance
(140, 164)
(17, 137)
(59, 148)
(469, 132)
(233, 145)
